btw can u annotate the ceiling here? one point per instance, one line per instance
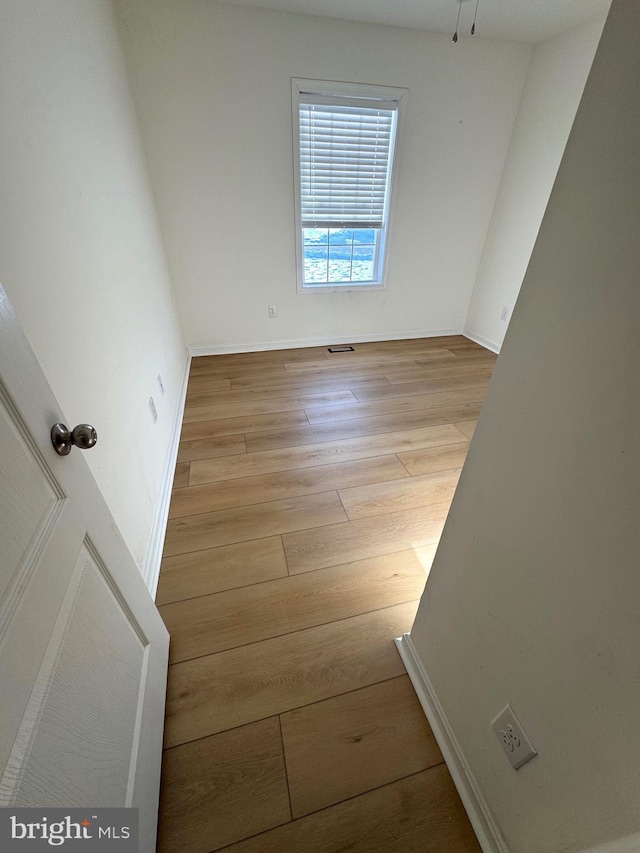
(529, 21)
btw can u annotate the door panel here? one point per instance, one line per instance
(90, 681)
(83, 650)
(27, 501)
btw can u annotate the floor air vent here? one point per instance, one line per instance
(340, 349)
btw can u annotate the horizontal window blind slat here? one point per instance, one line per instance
(340, 104)
(314, 130)
(346, 159)
(312, 114)
(356, 205)
(328, 208)
(345, 171)
(318, 131)
(346, 177)
(315, 135)
(328, 203)
(364, 199)
(346, 221)
(340, 223)
(350, 182)
(354, 192)
(346, 180)
(345, 150)
(342, 170)
(311, 124)
(335, 140)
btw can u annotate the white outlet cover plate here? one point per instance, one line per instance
(513, 738)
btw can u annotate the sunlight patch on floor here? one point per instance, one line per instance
(426, 553)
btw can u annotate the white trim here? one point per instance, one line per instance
(311, 86)
(480, 339)
(263, 346)
(339, 288)
(151, 573)
(486, 829)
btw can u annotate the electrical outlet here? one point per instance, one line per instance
(505, 313)
(513, 738)
(273, 311)
(161, 384)
(154, 411)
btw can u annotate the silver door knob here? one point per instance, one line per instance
(83, 436)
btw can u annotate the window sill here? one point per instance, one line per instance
(339, 288)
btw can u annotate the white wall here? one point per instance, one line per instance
(552, 92)
(81, 256)
(212, 87)
(534, 594)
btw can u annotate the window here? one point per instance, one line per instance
(344, 141)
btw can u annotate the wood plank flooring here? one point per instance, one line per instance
(309, 497)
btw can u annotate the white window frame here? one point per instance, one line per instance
(301, 86)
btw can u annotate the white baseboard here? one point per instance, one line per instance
(484, 825)
(151, 572)
(480, 339)
(320, 342)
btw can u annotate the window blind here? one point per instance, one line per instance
(346, 147)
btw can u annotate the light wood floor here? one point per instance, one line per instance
(310, 493)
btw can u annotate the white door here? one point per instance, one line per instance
(83, 651)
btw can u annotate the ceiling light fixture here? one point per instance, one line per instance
(455, 35)
(473, 26)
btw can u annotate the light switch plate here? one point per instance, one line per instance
(513, 738)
